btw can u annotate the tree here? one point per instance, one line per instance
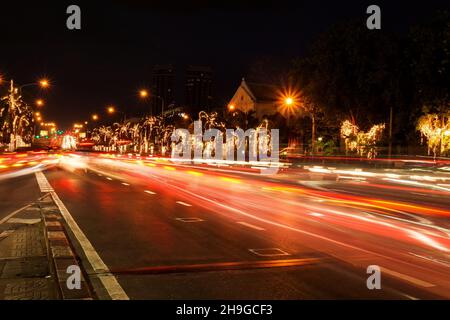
(436, 129)
(349, 72)
(16, 118)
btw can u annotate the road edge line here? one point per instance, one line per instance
(108, 280)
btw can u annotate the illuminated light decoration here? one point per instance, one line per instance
(153, 133)
(436, 130)
(16, 120)
(364, 143)
(68, 143)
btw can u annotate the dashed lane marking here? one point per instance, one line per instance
(149, 192)
(189, 219)
(250, 225)
(184, 204)
(125, 184)
(269, 252)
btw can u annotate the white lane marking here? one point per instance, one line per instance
(108, 280)
(189, 219)
(269, 252)
(419, 194)
(108, 178)
(125, 184)
(409, 297)
(280, 225)
(316, 214)
(430, 259)
(149, 192)
(184, 204)
(14, 213)
(42, 181)
(250, 225)
(407, 278)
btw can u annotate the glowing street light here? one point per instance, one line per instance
(44, 83)
(111, 110)
(95, 117)
(39, 102)
(289, 101)
(143, 93)
(231, 107)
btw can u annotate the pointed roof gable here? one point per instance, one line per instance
(260, 91)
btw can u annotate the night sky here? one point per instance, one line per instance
(120, 41)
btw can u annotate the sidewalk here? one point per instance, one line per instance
(34, 255)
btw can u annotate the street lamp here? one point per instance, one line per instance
(112, 110)
(143, 93)
(231, 107)
(289, 107)
(44, 83)
(39, 102)
(95, 117)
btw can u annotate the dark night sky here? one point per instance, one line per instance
(112, 56)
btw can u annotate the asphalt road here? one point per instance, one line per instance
(174, 232)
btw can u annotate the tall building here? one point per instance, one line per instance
(163, 84)
(198, 85)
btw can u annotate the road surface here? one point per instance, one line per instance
(177, 231)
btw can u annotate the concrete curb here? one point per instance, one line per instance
(61, 253)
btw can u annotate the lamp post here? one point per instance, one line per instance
(111, 110)
(144, 94)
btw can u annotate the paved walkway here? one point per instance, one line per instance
(32, 263)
